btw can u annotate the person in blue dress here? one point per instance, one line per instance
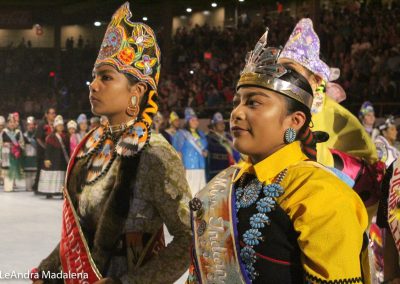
(191, 144)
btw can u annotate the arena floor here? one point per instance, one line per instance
(30, 229)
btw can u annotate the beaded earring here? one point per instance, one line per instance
(133, 107)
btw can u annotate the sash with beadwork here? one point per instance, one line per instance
(216, 242)
(75, 256)
(393, 204)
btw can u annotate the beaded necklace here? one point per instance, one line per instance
(106, 143)
(245, 197)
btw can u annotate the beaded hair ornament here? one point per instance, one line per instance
(263, 70)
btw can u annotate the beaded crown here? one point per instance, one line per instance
(303, 47)
(131, 47)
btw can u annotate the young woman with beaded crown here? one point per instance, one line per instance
(277, 217)
(123, 183)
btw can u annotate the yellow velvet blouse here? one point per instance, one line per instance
(328, 215)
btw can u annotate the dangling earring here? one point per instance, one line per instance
(290, 135)
(133, 106)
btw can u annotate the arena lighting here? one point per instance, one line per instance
(206, 12)
(97, 24)
(145, 19)
(87, 83)
(191, 72)
(189, 10)
(241, 0)
(214, 4)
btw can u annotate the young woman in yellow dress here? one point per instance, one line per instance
(278, 217)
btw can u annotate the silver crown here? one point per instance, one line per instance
(264, 60)
(262, 69)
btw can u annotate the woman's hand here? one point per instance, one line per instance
(47, 163)
(205, 153)
(38, 282)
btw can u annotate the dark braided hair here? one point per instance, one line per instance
(308, 138)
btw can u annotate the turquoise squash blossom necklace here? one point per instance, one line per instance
(247, 196)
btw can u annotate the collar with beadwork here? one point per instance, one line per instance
(267, 169)
(115, 129)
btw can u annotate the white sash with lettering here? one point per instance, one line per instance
(216, 243)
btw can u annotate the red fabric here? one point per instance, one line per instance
(74, 255)
(16, 151)
(367, 177)
(34, 274)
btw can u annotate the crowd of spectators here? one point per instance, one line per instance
(205, 62)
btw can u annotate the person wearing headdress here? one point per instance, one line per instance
(11, 148)
(174, 123)
(345, 131)
(277, 217)
(30, 163)
(385, 141)
(72, 127)
(221, 153)
(83, 126)
(44, 129)
(94, 122)
(122, 182)
(348, 149)
(191, 144)
(367, 118)
(56, 159)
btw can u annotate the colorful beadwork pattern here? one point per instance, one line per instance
(93, 142)
(133, 139)
(101, 162)
(303, 47)
(102, 148)
(131, 47)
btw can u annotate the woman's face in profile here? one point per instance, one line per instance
(109, 91)
(258, 121)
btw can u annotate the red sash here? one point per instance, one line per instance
(74, 251)
(75, 256)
